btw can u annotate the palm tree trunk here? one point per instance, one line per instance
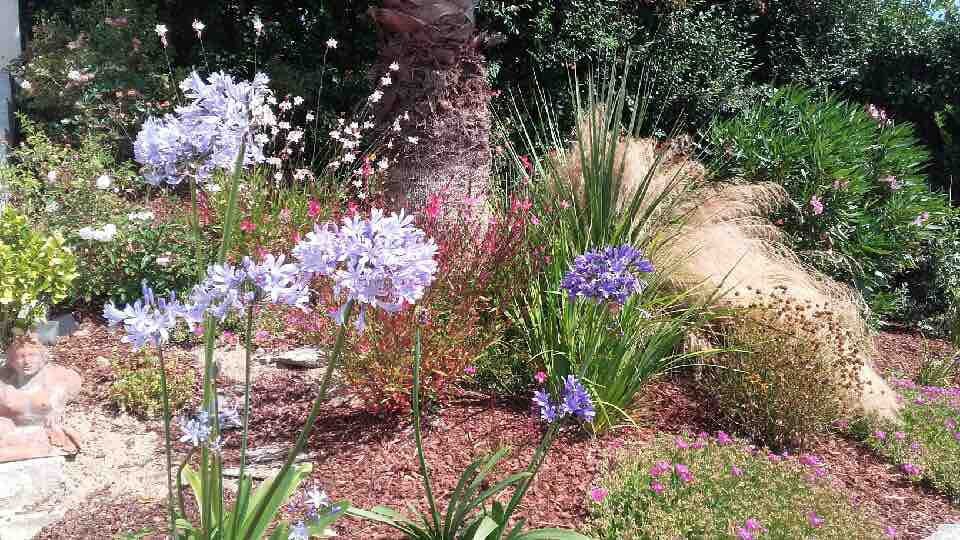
(442, 96)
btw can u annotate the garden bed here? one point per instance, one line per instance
(366, 457)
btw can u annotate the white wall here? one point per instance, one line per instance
(9, 49)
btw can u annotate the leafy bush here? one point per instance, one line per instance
(926, 442)
(83, 194)
(460, 317)
(95, 68)
(136, 388)
(861, 209)
(717, 488)
(36, 271)
(787, 373)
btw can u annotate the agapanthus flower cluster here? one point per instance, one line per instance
(226, 289)
(147, 321)
(198, 431)
(574, 401)
(207, 133)
(382, 262)
(607, 275)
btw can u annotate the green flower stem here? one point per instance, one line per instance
(418, 438)
(311, 420)
(230, 216)
(167, 443)
(195, 225)
(538, 458)
(248, 345)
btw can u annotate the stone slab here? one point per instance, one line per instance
(947, 531)
(26, 496)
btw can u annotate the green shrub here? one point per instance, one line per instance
(788, 371)
(112, 45)
(136, 387)
(926, 442)
(36, 271)
(57, 187)
(723, 486)
(861, 210)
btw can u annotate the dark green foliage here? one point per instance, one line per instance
(868, 234)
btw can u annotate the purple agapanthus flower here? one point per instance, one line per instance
(574, 401)
(382, 262)
(607, 275)
(147, 321)
(299, 532)
(207, 133)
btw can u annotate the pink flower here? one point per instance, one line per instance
(774, 458)
(534, 220)
(815, 521)
(723, 439)
(433, 206)
(880, 435)
(921, 219)
(659, 468)
(526, 163)
(684, 473)
(564, 205)
(950, 423)
(540, 377)
(910, 469)
(810, 460)
(470, 370)
(890, 532)
(892, 182)
(313, 208)
(598, 494)
(899, 435)
(681, 444)
(656, 487)
(816, 205)
(736, 471)
(752, 524)
(261, 335)
(247, 226)
(744, 534)
(957, 435)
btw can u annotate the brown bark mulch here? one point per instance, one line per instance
(370, 459)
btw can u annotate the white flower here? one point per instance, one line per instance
(368, 125)
(26, 85)
(331, 43)
(146, 215)
(275, 161)
(383, 164)
(272, 100)
(413, 140)
(361, 195)
(198, 26)
(103, 182)
(104, 234)
(375, 96)
(212, 188)
(257, 25)
(299, 532)
(396, 125)
(74, 75)
(349, 157)
(52, 207)
(161, 30)
(310, 117)
(295, 135)
(386, 80)
(394, 66)
(406, 116)
(285, 105)
(52, 176)
(298, 100)
(335, 135)
(300, 174)
(283, 125)
(318, 499)
(261, 138)
(278, 176)
(163, 261)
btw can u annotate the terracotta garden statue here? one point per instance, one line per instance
(32, 395)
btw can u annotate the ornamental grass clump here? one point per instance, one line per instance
(789, 370)
(717, 487)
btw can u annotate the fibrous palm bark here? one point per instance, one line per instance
(442, 85)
